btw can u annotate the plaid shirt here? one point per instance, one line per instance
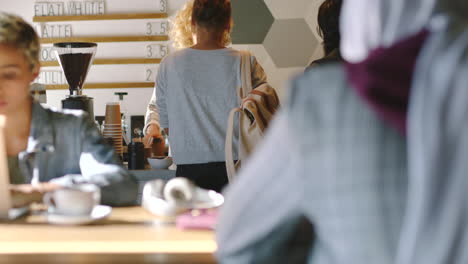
(327, 157)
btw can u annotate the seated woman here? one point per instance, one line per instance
(48, 150)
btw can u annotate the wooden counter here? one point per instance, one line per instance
(129, 233)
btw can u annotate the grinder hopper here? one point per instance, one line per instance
(75, 58)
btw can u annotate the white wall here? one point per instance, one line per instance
(137, 99)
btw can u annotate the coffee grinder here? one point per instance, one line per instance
(75, 58)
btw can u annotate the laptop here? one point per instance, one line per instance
(6, 211)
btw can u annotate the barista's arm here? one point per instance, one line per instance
(156, 114)
(152, 128)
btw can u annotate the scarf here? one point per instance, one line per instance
(384, 79)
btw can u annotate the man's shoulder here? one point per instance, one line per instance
(319, 85)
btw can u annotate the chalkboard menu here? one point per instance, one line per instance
(60, 22)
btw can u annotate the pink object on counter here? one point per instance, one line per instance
(201, 219)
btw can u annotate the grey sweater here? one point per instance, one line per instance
(195, 90)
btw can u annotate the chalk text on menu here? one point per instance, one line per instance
(54, 77)
(77, 8)
(72, 8)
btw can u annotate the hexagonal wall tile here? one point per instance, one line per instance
(252, 20)
(311, 16)
(258, 50)
(290, 43)
(287, 9)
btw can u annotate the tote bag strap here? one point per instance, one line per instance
(228, 148)
(246, 74)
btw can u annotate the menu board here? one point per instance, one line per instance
(66, 21)
(70, 8)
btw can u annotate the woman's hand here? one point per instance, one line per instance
(25, 194)
(151, 132)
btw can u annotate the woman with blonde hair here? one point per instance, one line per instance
(196, 87)
(182, 31)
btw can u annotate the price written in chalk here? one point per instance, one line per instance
(161, 6)
(156, 51)
(150, 74)
(157, 28)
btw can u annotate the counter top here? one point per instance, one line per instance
(128, 231)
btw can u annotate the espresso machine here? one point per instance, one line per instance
(76, 58)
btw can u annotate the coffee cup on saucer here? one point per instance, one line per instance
(77, 200)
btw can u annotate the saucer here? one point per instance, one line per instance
(99, 212)
(206, 199)
(153, 201)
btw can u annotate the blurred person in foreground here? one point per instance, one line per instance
(436, 226)
(352, 154)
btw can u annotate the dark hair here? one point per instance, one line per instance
(212, 14)
(329, 24)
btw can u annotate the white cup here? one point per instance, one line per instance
(179, 191)
(77, 200)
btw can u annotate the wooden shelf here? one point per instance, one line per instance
(109, 62)
(99, 17)
(104, 85)
(105, 39)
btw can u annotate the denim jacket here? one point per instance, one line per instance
(66, 148)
